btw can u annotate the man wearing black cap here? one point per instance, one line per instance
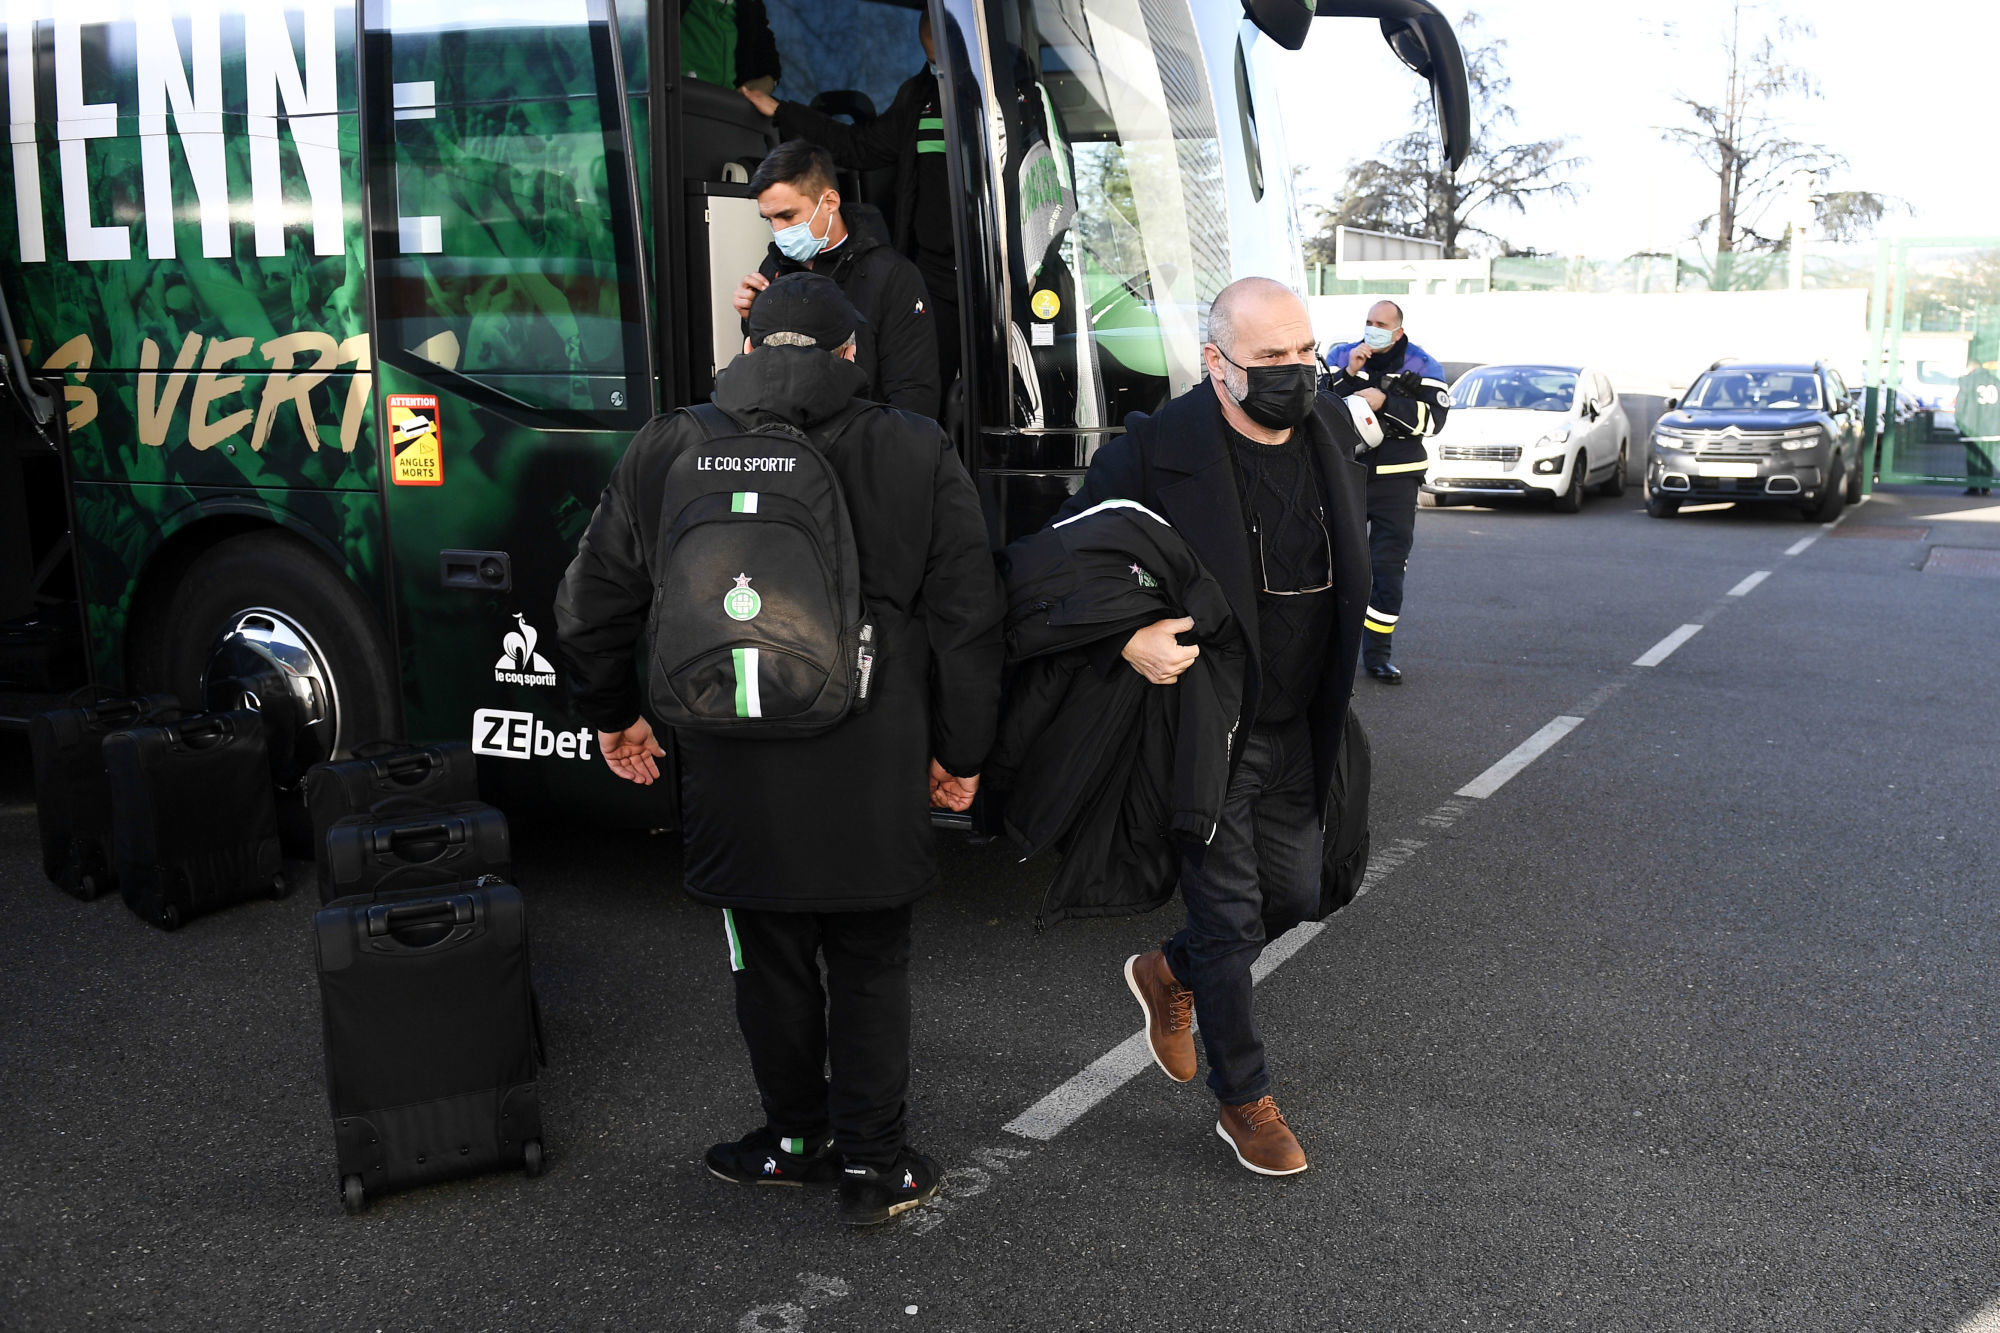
(814, 848)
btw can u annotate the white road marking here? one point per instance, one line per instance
(1801, 544)
(1662, 650)
(1086, 1088)
(1529, 750)
(1743, 589)
(1986, 1319)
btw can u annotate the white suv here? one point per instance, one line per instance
(1529, 430)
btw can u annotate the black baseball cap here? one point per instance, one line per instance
(809, 304)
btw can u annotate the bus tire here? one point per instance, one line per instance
(273, 571)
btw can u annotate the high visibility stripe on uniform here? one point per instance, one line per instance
(735, 944)
(1384, 471)
(1377, 626)
(749, 700)
(743, 502)
(1379, 621)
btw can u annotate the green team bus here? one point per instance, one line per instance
(324, 321)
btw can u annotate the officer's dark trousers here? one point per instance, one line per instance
(1257, 879)
(859, 1015)
(1392, 523)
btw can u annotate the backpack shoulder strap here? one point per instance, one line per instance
(711, 420)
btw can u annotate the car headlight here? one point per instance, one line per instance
(1554, 437)
(1668, 438)
(1805, 437)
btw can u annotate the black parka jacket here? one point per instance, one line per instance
(897, 346)
(839, 821)
(1176, 463)
(1125, 777)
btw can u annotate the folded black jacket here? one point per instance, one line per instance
(1123, 776)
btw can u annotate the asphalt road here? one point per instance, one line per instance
(1688, 1025)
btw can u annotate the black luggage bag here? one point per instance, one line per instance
(432, 1037)
(72, 794)
(398, 848)
(194, 824)
(380, 772)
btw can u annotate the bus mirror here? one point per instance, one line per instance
(1420, 36)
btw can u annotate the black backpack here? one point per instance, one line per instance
(757, 626)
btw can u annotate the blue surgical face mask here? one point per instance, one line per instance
(797, 242)
(1377, 338)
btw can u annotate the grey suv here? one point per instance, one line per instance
(1758, 432)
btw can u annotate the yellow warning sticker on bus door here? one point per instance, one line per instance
(415, 441)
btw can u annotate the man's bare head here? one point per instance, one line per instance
(1255, 322)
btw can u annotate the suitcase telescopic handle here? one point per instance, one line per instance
(408, 769)
(453, 911)
(397, 841)
(202, 732)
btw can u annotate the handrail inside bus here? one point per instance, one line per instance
(36, 402)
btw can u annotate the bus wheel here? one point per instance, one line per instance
(262, 621)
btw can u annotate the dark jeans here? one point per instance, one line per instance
(1392, 523)
(860, 1017)
(1257, 879)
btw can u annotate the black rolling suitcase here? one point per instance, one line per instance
(194, 825)
(395, 848)
(72, 793)
(381, 772)
(432, 1039)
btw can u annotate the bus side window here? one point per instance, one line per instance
(507, 255)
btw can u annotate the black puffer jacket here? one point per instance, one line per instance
(1124, 776)
(897, 345)
(839, 821)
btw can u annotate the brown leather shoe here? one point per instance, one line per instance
(1262, 1140)
(1169, 1010)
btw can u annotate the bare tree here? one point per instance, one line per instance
(1406, 189)
(1743, 138)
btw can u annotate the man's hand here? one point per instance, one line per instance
(951, 793)
(1155, 654)
(766, 104)
(1359, 358)
(746, 291)
(1373, 397)
(631, 752)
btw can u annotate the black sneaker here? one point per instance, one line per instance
(761, 1157)
(871, 1195)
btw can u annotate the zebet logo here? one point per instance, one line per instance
(519, 663)
(509, 735)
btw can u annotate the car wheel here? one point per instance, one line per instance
(1614, 485)
(1659, 506)
(1854, 480)
(1427, 500)
(1571, 499)
(1832, 499)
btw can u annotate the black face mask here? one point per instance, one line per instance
(1277, 397)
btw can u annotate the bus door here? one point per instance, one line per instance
(513, 362)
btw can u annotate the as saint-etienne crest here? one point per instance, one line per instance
(742, 602)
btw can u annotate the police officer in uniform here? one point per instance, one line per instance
(1407, 391)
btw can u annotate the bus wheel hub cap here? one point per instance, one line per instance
(264, 660)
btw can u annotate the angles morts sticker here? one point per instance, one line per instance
(416, 440)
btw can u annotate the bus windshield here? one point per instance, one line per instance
(1117, 229)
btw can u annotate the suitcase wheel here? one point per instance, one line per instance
(278, 886)
(170, 917)
(89, 886)
(531, 1158)
(352, 1197)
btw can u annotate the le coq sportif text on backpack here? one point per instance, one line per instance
(757, 625)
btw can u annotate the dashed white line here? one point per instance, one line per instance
(1660, 651)
(1801, 544)
(1529, 750)
(1743, 589)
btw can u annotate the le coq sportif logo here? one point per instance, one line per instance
(519, 663)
